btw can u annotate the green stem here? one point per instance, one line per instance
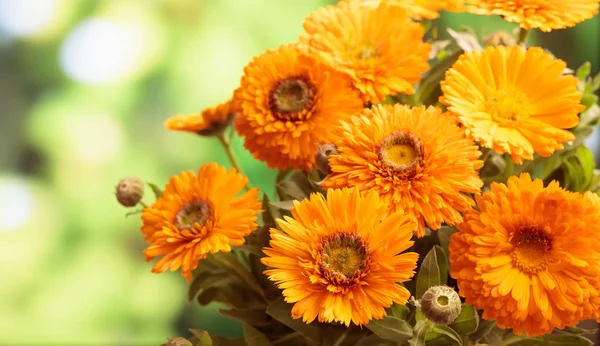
(226, 142)
(522, 36)
(144, 204)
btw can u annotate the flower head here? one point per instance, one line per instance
(290, 103)
(197, 215)
(417, 159)
(210, 121)
(546, 15)
(379, 47)
(417, 9)
(529, 256)
(513, 100)
(337, 261)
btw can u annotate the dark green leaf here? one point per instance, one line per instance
(228, 261)
(207, 296)
(400, 311)
(157, 191)
(589, 100)
(281, 311)
(433, 272)
(444, 234)
(439, 330)
(256, 317)
(374, 340)
(577, 330)
(285, 205)
(583, 71)
(596, 83)
(485, 327)
(268, 215)
(495, 336)
(208, 279)
(565, 339)
(334, 336)
(429, 89)
(467, 322)
(253, 337)
(391, 328)
(419, 331)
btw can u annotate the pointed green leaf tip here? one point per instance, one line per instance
(391, 328)
(253, 337)
(433, 272)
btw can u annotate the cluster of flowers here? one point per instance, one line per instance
(386, 174)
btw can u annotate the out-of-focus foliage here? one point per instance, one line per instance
(84, 89)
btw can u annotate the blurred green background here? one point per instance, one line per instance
(85, 86)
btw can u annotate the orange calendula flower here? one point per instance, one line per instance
(546, 15)
(514, 100)
(417, 159)
(529, 257)
(290, 103)
(337, 261)
(380, 47)
(211, 121)
(197, 215)
(417, 9)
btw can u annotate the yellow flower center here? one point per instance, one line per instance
(367, 52)
(506, 107)
(343, 256)
(530, 250)
(291, 96)
(196, 212)
(401, 152)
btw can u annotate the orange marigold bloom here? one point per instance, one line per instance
(514, 100)
(380, 47)
(211, 121)
(417, 9)
(290, 103)
(418, 160)
(197, 215)
(546, 15)
(529, 257)
(337, 261)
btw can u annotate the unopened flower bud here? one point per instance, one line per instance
(130, 191)
(500, 38)
(178, 341)
(322, 157)
(441, 305)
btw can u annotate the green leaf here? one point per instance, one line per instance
(444, 234)
(374, 340)
(588, 100)
(204, 338)
(467, 322)
(429, 90)
(268, 214)
(285, 205)
(228, 261)
(253, 337)
(485, 327)
(439, 330)
(565, 339)
(577, 330)
(419, 332)
(157, 191)
(255, 316)
(583, 71)
(400, 311)
(281, 311)
(433, 272)
(596, 83)
(207, 296)
(391, 328)
(208, 279)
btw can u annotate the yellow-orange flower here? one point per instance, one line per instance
(380, 47)
(417, 9)
(418, 160)
(546, 15)
(530, 256)
(337, 261)
(210, 121)
(290, 103)
(197, 215)
(513, 100)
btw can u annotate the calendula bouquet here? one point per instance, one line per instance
(430, 192)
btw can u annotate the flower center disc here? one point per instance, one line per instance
(197, 212)
(291, 96)
(506, 107)
(343, 256)
(401, 152)
(530, 250)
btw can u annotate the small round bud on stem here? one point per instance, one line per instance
(441, 305)
(130, 191)
(178, 341)
(322, 157)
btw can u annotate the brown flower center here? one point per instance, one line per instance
(196, 212)
(530, 249)
(343, 258)
(402, 152)
(290, 97)
(506, 107)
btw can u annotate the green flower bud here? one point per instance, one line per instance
(441, 305)
(322, 157)
(130, 191)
